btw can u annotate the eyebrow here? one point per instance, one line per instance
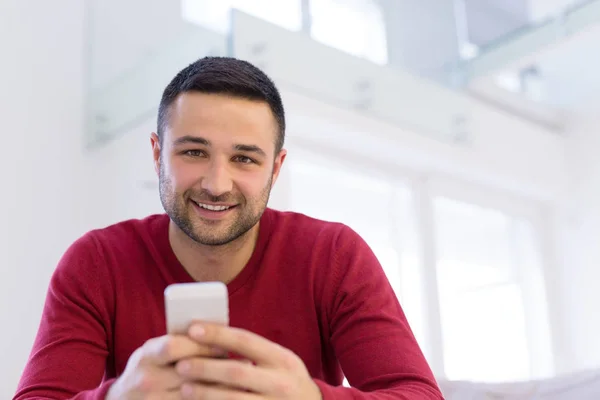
(250, 148)
(247, 148)
(191, 139)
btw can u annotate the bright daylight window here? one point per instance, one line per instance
(353, 26)
(485, 259)
(379, 210)
(491, 292)
(214, 14)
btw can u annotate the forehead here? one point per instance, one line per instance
(222, 119)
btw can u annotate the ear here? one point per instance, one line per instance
(155, 142)
(279, 159)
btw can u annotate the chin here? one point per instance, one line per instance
(214, 240)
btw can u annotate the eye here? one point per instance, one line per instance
(194, 153)
(244, 160)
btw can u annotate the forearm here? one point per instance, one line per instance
(96, 394)
(69, 356)
(405, 392)
(371, 337)
(32, 393)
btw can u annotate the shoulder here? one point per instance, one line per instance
(124, 231)
(87, 255)
(334, 237)
(295, 223)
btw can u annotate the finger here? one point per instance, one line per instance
(200, 391)
(170, 395)
(247, 344)
(159, 378)
(232, 373)
(165, 350)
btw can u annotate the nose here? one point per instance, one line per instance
(217, 179)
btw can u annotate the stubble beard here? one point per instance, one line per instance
(246, 214)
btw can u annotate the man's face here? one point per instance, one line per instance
(216, 165)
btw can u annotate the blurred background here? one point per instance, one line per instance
(458, 137)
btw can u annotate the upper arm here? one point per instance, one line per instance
(71, 346)
(369, 331)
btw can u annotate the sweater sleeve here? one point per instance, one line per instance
(70, 351)
(371, 337)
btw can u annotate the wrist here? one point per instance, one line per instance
(113, 391)
(318, 393)
(326, 391)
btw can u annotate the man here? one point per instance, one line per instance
(309, 302)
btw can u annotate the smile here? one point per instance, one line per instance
(212, 207)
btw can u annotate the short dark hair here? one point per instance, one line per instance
(224, 75)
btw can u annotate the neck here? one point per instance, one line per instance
(212, 263)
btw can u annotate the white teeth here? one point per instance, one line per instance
(213, 208)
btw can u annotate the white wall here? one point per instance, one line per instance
(41, 78)
(580, 240)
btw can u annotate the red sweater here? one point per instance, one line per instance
(314, 287)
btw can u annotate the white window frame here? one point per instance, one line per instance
(542, 364)
(425, 187)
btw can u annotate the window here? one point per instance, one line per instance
(493, 322)
(214, 14)
(378, 209)
(353, 26)
(483, 256)
(360, 201)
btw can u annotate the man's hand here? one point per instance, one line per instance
(150, 372)
(273, 372)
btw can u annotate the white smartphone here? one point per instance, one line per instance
(186, 303)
